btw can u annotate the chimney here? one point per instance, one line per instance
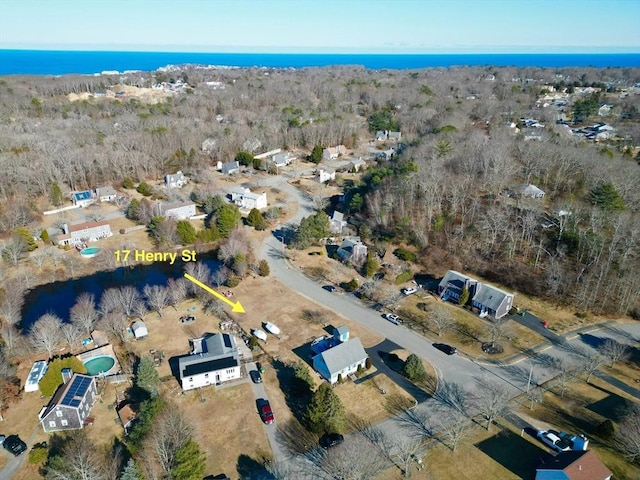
(67, 373)
(65, 228)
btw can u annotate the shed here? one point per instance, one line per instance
(139, 329)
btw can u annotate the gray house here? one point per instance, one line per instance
(352, 250)
(214, 359)
(176, 180)
(337, 222)
(230, 168)
(342, 359)
(71, 404)
(489, 300)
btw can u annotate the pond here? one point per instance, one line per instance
(59, 297)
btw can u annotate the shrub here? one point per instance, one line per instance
(414, 368)
(263, 268)
(340, 378)
(44, 236)
(605, 430)
(404, 277)
(38, 453)
(232, 281)
(127, 183)
(360, 369)
(351, 286)
(145, 189)
(404, 254)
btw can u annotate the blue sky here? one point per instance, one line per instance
(375, 26)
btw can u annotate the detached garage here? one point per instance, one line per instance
(139, 330)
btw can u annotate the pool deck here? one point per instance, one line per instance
(105, 350)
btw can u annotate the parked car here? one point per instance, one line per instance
(266, 413)
(409, 290)
(2, 437)
(393, 318)
(330, 288)
(549, 438)
(14, 445)
(329, 440)
(255, 376)
(187, 319)
(448, 349)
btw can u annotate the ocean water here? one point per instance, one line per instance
(53, 62)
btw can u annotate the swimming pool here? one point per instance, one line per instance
(97, 365)
(90, 252)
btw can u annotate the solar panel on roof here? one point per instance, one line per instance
(76, 391)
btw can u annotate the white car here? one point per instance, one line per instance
(550, 438)
(409, 290)
(393, 318)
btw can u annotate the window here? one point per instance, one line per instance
(52, 424)
(58, 413)
(64, 423)
(206, 375)
(191, 379)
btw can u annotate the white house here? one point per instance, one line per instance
(230, 168)
(246, 200)
(176, 180)
(84, 232)
(326, 174)
(530, 191)
(332, 153)
(106, 194)
(214, 359)
(337, 222)
(357, 165)
(83, 198)
(178, 211)
(604, 110)
(342, 360)
(280, 159)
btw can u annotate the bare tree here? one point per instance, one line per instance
(11, 302)
(157, 297)
(72, 262)
(46, 333)
(39, 258)
(219, 276)
(71, 335)
(14, 250)
(614, 351)
(110, 301)
(492, 401)
(129, 299)
(169, 433)
(590, 363)
(627, 435)
(177, 290)
(84, 314)
(456, 430)
(566, 371)
(405, 451)
(115, 323)
(497, 329)
(441, 318)
(199, 271)
(354, 459)
(80, 460)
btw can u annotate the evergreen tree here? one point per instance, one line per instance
(464, 296)
(127, 183)
(131, 471)
(244, 158)
(256, 220)
(55, 195)
(189, 462)
(325, 412)
(371, 266)
(316, 154)
(263, 268)
(414, 368)
(186, 231)
(304, 380)
(228, 218)
(312, 229)
(24, 235)
(145, 189)
(606, 197)
(147, 376)
(45, 236)
(133, 210)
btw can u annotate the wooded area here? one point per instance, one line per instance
(441, 196)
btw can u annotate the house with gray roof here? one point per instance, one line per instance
(230, 168)
(337, 222)
(341, 360)
(352, 250)
(106, 194)
(214, 359)
(490, 301)
(530, 191)
(71, 404)
(177, 180)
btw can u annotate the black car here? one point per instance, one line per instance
(329, 288)
(448, 349)
(14, 445)
(331, 440)
(255, 376)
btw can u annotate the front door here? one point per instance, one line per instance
(217, 378)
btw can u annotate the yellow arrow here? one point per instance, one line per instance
(237, 307)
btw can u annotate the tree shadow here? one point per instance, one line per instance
(251, 469)
(612, 406)
(592, 340)
(296, 394)
(501, 448)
